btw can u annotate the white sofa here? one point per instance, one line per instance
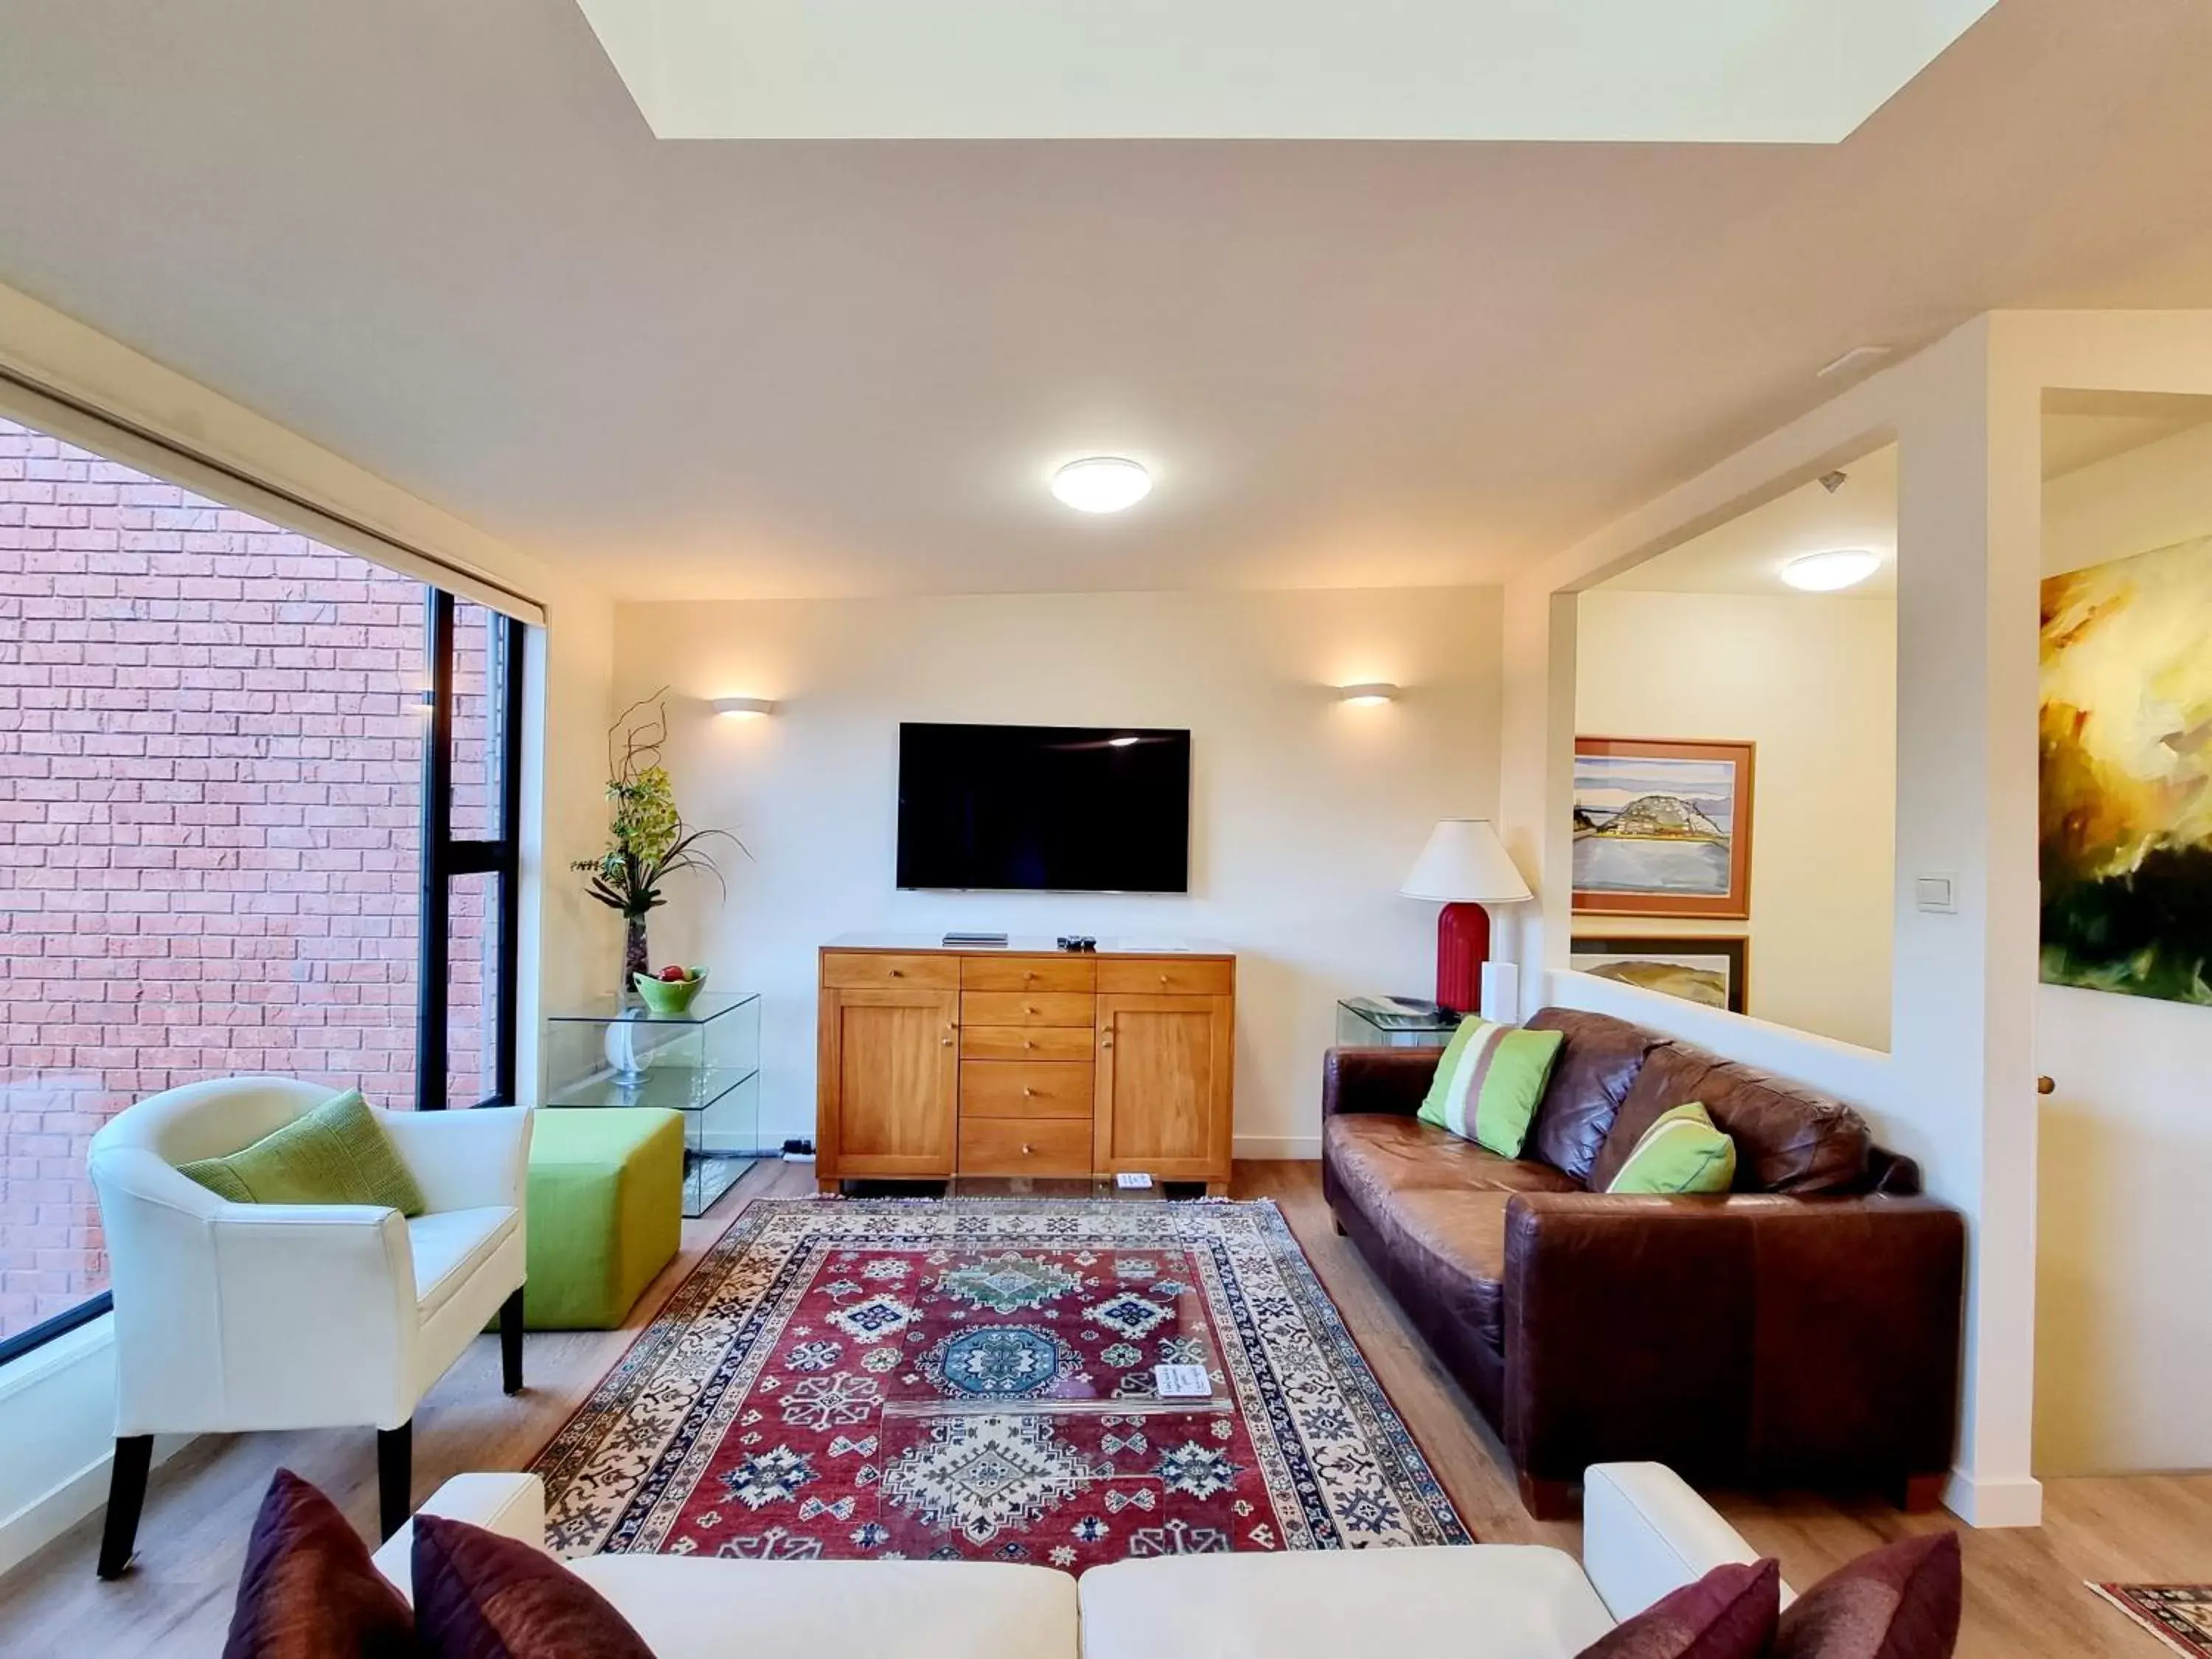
(1645, 1533)
(242, 1316)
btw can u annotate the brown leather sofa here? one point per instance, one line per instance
(1803, 1330)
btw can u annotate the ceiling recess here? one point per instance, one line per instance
(1722, 71)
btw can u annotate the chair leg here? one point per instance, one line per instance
(510, 1343)
(395, 1476)
(126, 1496)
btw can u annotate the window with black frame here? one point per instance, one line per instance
(259, 812)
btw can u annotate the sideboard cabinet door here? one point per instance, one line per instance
(889, 1081)
(1164, 1086)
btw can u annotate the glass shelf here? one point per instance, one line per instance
(612, 1052)
(676, 1088)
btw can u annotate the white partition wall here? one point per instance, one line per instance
(1957, 1091)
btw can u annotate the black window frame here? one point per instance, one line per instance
(445, 857)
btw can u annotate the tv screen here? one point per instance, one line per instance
(1062, 809)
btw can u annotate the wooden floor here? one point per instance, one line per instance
(2024, 1596)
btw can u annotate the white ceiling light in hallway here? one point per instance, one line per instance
(1833, 571)
(1102, 484)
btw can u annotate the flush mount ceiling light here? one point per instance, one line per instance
(1373, 692)
(1826, 572)
(744, 707)
(1102, 484)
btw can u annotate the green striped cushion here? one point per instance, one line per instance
(1488, 1083)
(338, 1153)
(1682, 1152)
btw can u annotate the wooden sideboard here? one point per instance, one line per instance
(1024, 1061)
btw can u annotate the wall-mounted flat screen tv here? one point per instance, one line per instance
(1066, 809)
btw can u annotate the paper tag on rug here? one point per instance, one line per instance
(1182, 1381)
(1131, 1181)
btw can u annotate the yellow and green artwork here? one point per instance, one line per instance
(2126, 818)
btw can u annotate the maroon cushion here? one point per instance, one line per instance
(1727, 1615)
(309, 1590)
(478, 1595)
(1901, 1602)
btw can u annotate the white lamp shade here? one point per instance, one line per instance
(1465, 863)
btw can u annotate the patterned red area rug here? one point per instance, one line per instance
(1064, 1382)
(2180, 1615)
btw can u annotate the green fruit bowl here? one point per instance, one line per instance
(669, 997)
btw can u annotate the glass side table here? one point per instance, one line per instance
(704, 1063)
(1373, 1023)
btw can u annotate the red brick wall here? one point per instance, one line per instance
(210, 735)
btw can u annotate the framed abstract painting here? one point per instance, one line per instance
(2126, 829)
(1712, 969)
(1663, 829)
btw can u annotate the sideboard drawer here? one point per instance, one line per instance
(1178, 977)
(1025, 1146)
(1026, 1042)
(1028, 1008)
(1014, 1088)
(845, 970)
(1069, 973)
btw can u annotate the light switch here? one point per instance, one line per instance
(1937, 895)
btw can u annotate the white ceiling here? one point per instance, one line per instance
(1747, 554)
(440, 239)
(1721, 71)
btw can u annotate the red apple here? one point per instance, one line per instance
(673, 976)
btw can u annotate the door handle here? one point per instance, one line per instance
(2044, 1085)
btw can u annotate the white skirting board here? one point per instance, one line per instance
(2013, 1503)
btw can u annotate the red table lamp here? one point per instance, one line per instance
(1468, 867)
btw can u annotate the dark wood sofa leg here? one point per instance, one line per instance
(1551, 1500)
(510, 1343)
(395, 1476)
(126, 1496)
(1917, 1494)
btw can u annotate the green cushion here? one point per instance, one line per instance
(338, 1153)
(1489, 1082)
(1682, 1152)
(606, 1212)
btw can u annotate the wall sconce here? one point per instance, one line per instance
(1373, 692)
(744, 707)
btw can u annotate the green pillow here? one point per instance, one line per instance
(1488, 1083)
(1682, 1152)
(337, 1154)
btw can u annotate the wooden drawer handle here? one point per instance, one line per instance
(1028, 1151)
(1164, 979)
(1027, 1093)
(945, 1043)
(898, 973)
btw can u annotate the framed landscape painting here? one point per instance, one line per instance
(1663, 829)
(2126, 823)
(1713, 969)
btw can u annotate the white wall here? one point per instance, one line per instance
(1953, 1092)
(61, 1402)
(1306, 813)
(2123, 1335)
(1813, 682)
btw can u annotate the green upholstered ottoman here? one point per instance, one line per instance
(606, 1212)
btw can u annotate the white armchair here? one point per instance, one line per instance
(238, 1316)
